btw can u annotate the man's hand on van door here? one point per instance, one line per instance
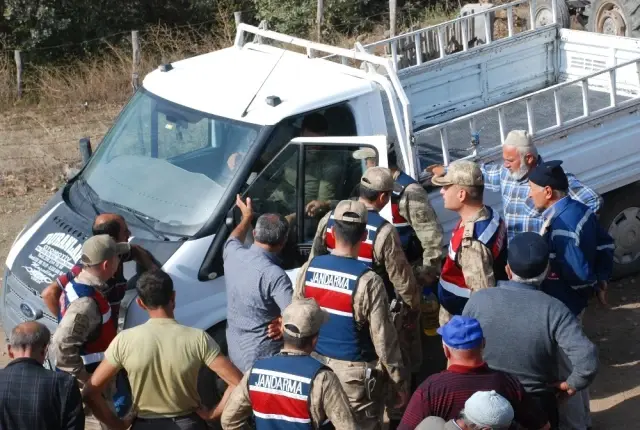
(436, 169)
(316, 207)
(274, 330)
(245, 208)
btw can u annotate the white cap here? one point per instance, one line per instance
(488, 408)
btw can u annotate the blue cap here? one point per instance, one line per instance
(462, 333)
(550, 174)
(528, 255)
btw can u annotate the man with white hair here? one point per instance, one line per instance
(511, 178)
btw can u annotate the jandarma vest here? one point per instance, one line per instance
(374, 223)
(332, 281)
(453, 291)
(279, 390)
(92, 352)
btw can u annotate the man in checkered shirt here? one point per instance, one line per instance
(520, 156)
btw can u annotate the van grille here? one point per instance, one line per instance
(18, 292)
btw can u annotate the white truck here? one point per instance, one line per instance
(166, 164)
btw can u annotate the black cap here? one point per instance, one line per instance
(528, 255)
(550, 174)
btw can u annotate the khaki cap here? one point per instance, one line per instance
(350, 211)
(378, 179)
(305, 315)
(100, 248)
(518, 139)
(364, 153)
(461, 172)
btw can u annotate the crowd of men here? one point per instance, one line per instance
(342, 346)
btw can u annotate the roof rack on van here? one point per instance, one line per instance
(390, 83)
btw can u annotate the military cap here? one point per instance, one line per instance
(100, 248)
(378, 179)
(461, 172)
(350, 211)
(303, 318)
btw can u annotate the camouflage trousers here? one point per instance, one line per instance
(408, 328)
(369, 413)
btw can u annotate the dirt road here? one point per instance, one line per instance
(615, 402)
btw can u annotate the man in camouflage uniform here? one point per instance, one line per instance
(85, 324)
(324, 401)
(421, 237)
(414, 216)
(382, 250)
(477, 250)
(359, 342)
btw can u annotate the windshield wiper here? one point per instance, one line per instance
(91, 195)
(143, 219)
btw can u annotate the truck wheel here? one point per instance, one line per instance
(621, 218)
(544, 15)
(615, 17)
(210, 386)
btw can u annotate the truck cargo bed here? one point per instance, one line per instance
(459, 135)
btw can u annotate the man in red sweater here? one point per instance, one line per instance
(444, 394)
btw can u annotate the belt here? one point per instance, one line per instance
(179, 417)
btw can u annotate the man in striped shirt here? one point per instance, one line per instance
(511, 178)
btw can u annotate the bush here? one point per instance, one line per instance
(33, 24)
(298, 17)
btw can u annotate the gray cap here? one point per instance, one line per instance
(306, 316)
(378, 179)
(364, 153)
(489, 409)
(350, 211)
(100, 248)
(461, 172)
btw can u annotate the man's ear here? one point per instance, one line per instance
(445, 348)
(139, 302)
(530, 159)
(10, 351)
(462, 194)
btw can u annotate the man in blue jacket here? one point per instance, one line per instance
(581, 260)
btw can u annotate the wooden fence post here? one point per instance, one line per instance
(392, 17)
(238, 18)
(319, 19)
(135, 44)
(18, 57)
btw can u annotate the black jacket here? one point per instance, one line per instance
(32, 397)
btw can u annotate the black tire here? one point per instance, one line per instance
(607, 17)
(544, 16)
(620, 216)
(210, 386)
